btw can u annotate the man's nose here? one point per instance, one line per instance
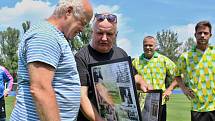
(202, 34)
(147, 47)
(104, 36)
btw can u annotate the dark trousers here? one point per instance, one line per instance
(2, 109)
(203, 116)
(163, 113)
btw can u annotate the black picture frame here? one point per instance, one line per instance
(115, 90)
(150, 104)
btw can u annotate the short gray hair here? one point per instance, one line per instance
(150, 37)
(62, 5)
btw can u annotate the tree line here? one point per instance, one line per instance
(168, 45)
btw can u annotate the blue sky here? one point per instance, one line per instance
(136, 18)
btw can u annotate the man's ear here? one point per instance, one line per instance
(195, 35)
(69, 11)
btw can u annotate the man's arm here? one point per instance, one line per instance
(87, 108)
(9, 79)
(168, 91)
(187, 91)
(170, 72)
(141, 84)
(41, 76)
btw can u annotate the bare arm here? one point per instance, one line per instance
(41, 76)
(87, 108)
(188, 92)
(168, 91)
(141, 84)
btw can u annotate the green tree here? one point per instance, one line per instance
(189, 44)
(186, 46)
(168, 44)
(9, 45)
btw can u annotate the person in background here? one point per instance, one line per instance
(5, 76)
(101, 48)
(48, 81)
(197, 66)
(151, 70)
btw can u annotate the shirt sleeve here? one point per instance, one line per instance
(133, 67)
(43, 48)
(171, 67)
(82, 69)
(8, 78)
(181, 65)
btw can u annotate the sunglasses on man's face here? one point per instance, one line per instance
(109, 17)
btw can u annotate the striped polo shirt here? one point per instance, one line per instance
(45, 43)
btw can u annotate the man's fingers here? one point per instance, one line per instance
(166, 97)
(188, 97)
(191, 93)
(150, 87)
(143, 88)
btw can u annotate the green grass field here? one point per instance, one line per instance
(9, 105)
(178, 108)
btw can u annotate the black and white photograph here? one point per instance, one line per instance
(150, 103)
(115, 89)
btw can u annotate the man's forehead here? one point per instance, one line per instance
(105, 29)
(105, 23)
(105, 26)
(203, 28)
(150, 40)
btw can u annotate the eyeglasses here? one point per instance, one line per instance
(109, 17)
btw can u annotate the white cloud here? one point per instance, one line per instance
(121, 19)
(25, 10)
(105, 8)
(184, 31)
(125, 44)
(187, 31)
(123, 28)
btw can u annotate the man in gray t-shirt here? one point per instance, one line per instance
(101, 48)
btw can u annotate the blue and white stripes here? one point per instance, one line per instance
(44, 43)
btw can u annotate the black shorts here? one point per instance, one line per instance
(203, 116)
(2, 108)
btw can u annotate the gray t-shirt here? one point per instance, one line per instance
(88, 55)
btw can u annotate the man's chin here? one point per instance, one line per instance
(106, 50)
(203, 42)
(149, 53)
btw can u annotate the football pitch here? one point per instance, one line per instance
(178, 108)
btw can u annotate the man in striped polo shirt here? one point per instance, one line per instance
(152, 70)
(48, 81)
(198, 68)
